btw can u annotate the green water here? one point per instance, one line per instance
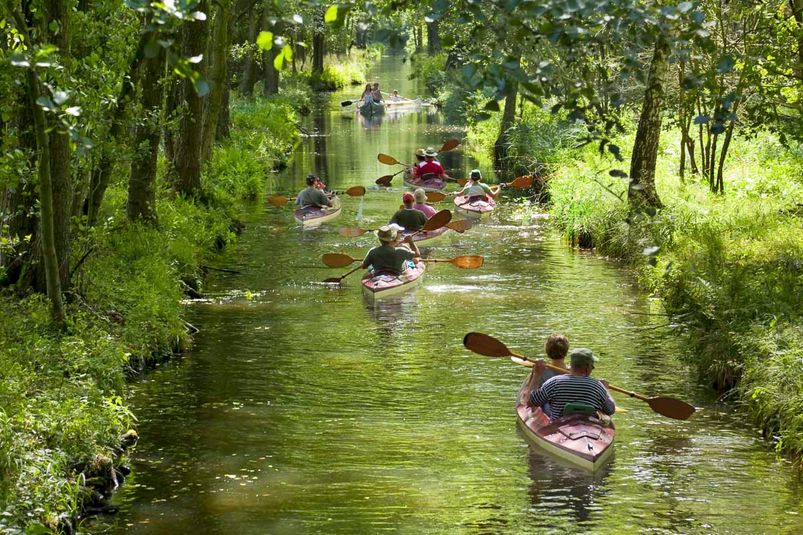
(305, 409)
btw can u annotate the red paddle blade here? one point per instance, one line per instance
(521, 182)
(277, 200)
(333, 280)
(435, 196)
(461, 225)
(437, 221)
(384, 181)
(351, 232)
(356, 191)
(450, 144)
(485, 345)
(387, 160)
(671, 407)
(462, 182)
(468, 261)
(337, 259)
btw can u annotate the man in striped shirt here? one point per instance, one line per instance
(575, 387)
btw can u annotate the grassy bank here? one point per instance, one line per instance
(63, 417)
(729, 268)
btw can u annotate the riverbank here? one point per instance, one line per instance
(64, 423)
(729, 268)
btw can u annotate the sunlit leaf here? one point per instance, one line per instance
(265, 40)
(331, 14)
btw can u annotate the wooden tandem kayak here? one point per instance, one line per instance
(369, 109)
(579, 439)
(475, 208)
(433, 184)
(385, 284)
(313, 215)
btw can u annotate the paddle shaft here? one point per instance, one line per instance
(562, 370)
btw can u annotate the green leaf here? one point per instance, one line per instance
(265, 40)
(46, 103)
(331, 14)
(726, 64)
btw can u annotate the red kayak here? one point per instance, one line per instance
(427, 235)
(580, 439)
(476, 207)
(385, 284)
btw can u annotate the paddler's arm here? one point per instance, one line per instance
(533, 380)
(609, 407)
(411, 244)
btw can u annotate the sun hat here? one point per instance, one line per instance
(420, 195)
(582, 357)
(430, 152)
(311, 179)
(387, 233)
(475, 174)
(420, 152)
(408, 197)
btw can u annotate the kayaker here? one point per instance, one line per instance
(396, 97)
(387, 257)
(575, 387)
(432, 166)
(415, 169)
(476, 190)
(556, 349)
(421, 203)
(367, 95)
(408, 217)
(376, 94)
(312, 195)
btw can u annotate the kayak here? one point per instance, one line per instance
(385, 284)
(433, 184)
(402, 105)
(477, 208)
(580, 439)
(311, 216)
(427, 235)
(370, 109)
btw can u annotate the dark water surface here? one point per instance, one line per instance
(304, 409)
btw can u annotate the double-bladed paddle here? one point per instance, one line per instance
(435, 196)
(520, 182)
(440, 219)
(281, 200)
(385, 181)
(491, 347)
(464, 262)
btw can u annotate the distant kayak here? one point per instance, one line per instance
(427, 235)
(369, 109)
(313, 215)
(433, 184)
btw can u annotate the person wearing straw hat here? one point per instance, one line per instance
(421, 203)
(575, 389)
(387, 257)
(414, 170)
(313, 195)
(408, 217)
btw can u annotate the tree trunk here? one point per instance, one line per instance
(797, 13)
(46, 212)
(433, 38)
(99, 180)
(249, 75)
(502, 163)
(270, 83)
(141, 205)
(318, 46)
(187, 162)
(218, 76)
(645, 148)
(224, 120)
(60, 152)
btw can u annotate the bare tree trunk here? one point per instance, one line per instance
(99, 180)
(46, 213)
(318, 46)
(433, 37)
(249, 74)
(218, 76)
(270, 85)
(224, 120)
(501, 161)
(645, 148)
(187, 162)
(141, 205)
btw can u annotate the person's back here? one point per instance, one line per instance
(575, 387)
(387, 258)
(312, 196)
(563, 389)
(475, 189)
(431, 166)
(420, 203)
(409, 218)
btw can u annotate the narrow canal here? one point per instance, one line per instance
(304, 409)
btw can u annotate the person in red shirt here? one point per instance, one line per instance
(432, 166)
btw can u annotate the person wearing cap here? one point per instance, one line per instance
(421, 203)
(577, 386)
(408, 217)
(387, 257)
(313, 195)
(476, 190)
(420, 160)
